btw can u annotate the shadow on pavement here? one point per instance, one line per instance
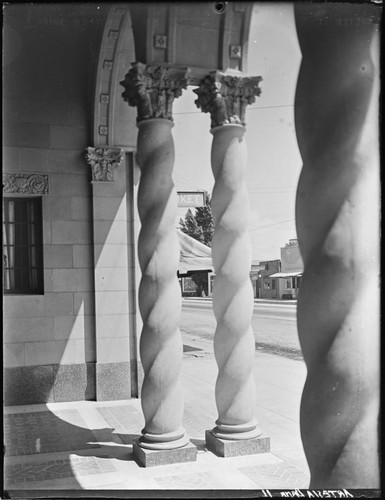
(31, 437)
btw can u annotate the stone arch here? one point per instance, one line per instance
(114, 123)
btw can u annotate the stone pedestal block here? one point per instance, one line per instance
(233, 448)
(152, 458)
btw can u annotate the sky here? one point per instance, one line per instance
(274, 162)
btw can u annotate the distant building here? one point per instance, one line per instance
(194, 257)
(291, 270)
(255, 275)
(264, 286)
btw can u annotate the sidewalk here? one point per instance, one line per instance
(256, 301)
(62, 447)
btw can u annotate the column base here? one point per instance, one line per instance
(153, 458)
(234, 448)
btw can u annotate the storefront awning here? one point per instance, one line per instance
(286, 275)
(194, 255)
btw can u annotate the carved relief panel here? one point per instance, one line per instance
(24, 183)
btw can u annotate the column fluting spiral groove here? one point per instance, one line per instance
(234, 344)
(159, 292)
(337, 217)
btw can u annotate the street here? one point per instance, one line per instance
(274, 324)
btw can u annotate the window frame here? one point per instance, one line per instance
(37, 228)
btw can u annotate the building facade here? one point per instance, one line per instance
(70, 330)
(264, 286)
(289, 278)
(72, 194)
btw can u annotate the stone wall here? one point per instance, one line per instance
(50, 347)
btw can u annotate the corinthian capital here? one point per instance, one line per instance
(152, 89)
(102, 163)
(225, 97)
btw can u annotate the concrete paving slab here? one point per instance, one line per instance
(31, 432)
(281, 476)
(206, 481)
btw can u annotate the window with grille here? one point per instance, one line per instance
(22, 246)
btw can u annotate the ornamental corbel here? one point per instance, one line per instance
(102, 162)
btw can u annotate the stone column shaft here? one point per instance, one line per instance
(152, 90)
(225, 97)
(159, 291)
(337, 216)
(234, 344)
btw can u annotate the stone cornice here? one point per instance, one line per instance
(226, 96)
(152, 89)
(102, 162)
(25, 183)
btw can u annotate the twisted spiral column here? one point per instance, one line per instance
(152, 90)
(234, 343)
(159, 292)
(337, 217)
(226, 97)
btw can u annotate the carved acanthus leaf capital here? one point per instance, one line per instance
(225, 97)
(152, 89)
(103, 161)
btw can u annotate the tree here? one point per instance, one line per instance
(199, 226)
(204, 219)
(190, 226)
